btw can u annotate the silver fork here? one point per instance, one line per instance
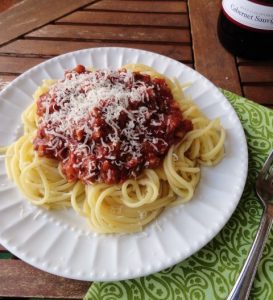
(264, 190)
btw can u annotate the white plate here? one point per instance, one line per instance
(60, 242)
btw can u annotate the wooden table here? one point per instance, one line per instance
(32, 31)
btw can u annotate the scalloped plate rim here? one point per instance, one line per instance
(210, 233)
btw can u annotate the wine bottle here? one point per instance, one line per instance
(245, 28)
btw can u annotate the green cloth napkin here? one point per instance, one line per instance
(212, 272)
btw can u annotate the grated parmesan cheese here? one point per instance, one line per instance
(104, 115)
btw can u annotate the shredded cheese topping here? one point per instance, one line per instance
(107, 114)
(79, 94)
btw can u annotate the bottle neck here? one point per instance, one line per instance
(250, 14)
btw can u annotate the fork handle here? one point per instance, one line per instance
(244, 282)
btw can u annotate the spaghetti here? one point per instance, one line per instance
(119, 203)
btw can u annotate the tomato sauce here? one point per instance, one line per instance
(128, 125)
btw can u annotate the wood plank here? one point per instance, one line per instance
(1, 247)
(17, 65)
(245, 61)
(4, 81)
(30, 14)
(6, 4)
(141, 6)
(256, 73)
(10, 65)
(126, 18)
(190, 65)
(211, 59)
(19, 279)
(139, 34)
(53, 48)
(261, 94)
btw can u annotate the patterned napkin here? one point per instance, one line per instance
(212, 272)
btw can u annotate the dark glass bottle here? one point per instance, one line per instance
(245, 28)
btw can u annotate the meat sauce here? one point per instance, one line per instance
(128, 123)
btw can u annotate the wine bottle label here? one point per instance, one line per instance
(249, 14)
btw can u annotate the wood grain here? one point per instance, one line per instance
(30, 14)
(126, 18)
(211, 59)
(17, 65)
(103, 33)
(6, 4)
(48, 48)
(20, 279)
(245, 61)
(2, 248)
(5, 79)
(141, 6)
(256, 73)
(261, 94)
